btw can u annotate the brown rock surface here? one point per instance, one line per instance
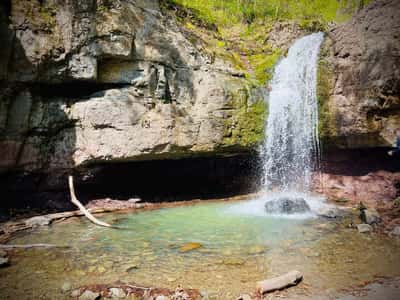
(362, 61)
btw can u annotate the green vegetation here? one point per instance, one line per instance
(263, 65)
(247, 128)
(229, 12)
(41, 16)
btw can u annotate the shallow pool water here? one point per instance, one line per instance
(232, 251)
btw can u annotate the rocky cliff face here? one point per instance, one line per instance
(88, 81)
(360, 79)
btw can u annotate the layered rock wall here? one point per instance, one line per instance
(86, 82)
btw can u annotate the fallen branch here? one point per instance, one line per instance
(289, 279)
(28, 246)
(75, 201)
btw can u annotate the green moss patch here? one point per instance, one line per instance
(263, 65)
(246, 127)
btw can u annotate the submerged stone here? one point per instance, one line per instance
(232, 261)
(257, 249)
(189, 247)
(132, 268)
(286, 205)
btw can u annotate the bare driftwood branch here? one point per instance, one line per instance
(31, 246)
(75, 201)
(278, 283)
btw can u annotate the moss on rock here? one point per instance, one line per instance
(246, 126)
(263, 65)
(326, 126)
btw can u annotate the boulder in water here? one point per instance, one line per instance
(286, 205)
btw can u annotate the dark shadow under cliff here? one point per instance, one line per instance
(153, 181)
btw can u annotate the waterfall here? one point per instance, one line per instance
(291, 149)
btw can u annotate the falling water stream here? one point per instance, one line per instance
(292, 146)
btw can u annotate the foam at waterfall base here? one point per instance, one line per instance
(256, 207)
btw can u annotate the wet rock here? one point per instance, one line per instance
(4, 261)
(395, 231)
(189, 247)
(38, 221)
(117, 293)
(364, 228)
(370, 216)
(287, 205)
(89, 295)
(66, 287)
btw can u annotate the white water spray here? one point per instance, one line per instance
(292, 146)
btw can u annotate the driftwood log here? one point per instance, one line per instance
(75, 201)
(9, 228)
(289, 279)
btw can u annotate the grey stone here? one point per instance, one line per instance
(117, 293)
(89, 295)
(286, 205)
(370, 216)
(364, 228)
